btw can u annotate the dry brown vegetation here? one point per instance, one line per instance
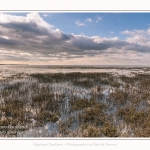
(76, 104)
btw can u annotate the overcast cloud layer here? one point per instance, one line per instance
(32, 40)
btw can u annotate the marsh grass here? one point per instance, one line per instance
(76, 104)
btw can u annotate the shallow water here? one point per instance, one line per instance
(9, 70)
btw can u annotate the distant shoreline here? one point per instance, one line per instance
(80, 66)
(13, 64)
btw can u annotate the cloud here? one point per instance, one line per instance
(30, 31)
(99, 19)
(95, 42)
(133, 32)
(45, 15)
(88, 20)
(30, 38)
(83, 23)
(79, 23)
(5, 41)
(140, 37)
(111, 32)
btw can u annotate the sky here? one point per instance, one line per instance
(75, 38)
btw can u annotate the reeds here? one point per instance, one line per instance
(75, 104)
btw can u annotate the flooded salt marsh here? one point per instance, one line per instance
(66, 102)
(9, 70)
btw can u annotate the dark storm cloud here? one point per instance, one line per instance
(138, 48)
(29, 28)
(6, 42)
(25, 27)
(85, 43)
